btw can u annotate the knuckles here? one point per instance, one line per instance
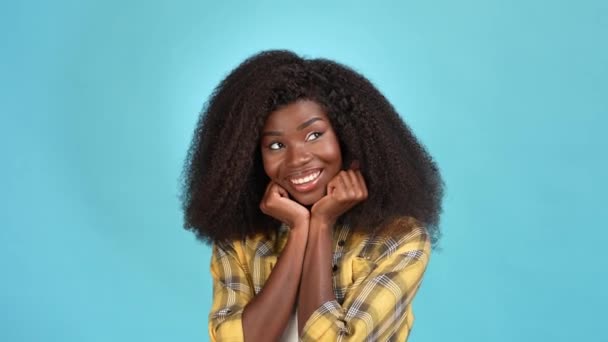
(267, 207)
(344, 188)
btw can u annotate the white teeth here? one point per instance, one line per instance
(306, 179)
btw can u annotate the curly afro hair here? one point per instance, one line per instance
(223, 176)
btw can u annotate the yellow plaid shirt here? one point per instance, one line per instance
(375, 280)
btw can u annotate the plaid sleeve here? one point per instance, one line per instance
(378, 305)
(231, 292)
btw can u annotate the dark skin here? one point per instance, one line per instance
(303, 273)
(316, 287)
(262, 318)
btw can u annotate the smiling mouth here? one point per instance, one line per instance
(308, 178)
(305, 181)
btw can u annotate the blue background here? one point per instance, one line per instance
(98, 104)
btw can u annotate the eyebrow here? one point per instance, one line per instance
(299, 128)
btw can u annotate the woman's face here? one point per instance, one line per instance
(300, 150)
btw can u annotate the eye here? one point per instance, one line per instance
(313, 136)
(275, 146)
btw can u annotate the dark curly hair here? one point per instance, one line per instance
(223, 177)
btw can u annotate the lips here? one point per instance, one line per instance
(306, 180)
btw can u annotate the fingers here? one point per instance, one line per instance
(344, 191)
(272, 189)
(345, 181)
(358, 179)
(277, 204)
(347, 186)
(359, 190)
(361, 183)
(280, 190)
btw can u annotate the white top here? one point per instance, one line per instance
(291, 330)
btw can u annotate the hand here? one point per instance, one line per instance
(344, 191)
(276, 203)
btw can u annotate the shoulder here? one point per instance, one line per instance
(248, 247)
(403, 236)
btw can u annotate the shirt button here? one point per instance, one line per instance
(341, 243)
(335, 268)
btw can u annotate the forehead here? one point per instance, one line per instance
(294, 114)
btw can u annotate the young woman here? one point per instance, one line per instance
(321, 205)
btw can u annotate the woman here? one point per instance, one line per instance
(321, 205)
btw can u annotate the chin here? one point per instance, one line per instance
(308, 199)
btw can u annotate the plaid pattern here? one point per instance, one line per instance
(375, 282)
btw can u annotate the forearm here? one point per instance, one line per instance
(316, 285)
(266, 315)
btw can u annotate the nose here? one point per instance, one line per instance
(298, 155)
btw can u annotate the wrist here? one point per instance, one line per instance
(321, 222)
(301, 224)
(298, 235)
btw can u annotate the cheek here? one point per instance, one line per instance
(333, 154)
(270, 167)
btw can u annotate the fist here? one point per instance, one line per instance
(276, 203)
(344, 191)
